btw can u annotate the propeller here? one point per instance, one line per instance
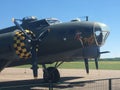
(96, 63)
(96, 59)
(104, 52)
(34, 42)
(86, 64)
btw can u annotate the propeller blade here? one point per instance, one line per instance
(104, 52)
(42, 35)
(17, 24)
(96, 63)
(20, 27)
(34, 60)
(34, 53)
(86, 65)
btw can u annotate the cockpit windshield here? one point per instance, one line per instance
(105, 31)
(52, 21)
(101, 32)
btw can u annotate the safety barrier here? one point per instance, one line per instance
(101, 84)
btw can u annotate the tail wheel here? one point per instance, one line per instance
(52, 75)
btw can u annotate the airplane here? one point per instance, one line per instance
(47, 41)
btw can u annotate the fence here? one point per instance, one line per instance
(102, 84)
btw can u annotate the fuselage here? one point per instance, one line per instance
(64, 41)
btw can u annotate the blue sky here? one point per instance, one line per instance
(106, 11)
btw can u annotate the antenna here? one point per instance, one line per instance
(86, 18)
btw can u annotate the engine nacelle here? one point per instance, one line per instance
(13, 46)
(18, 46)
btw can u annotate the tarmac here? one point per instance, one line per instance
(71, 79)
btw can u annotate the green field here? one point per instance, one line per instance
(110, 65)
(104, 64)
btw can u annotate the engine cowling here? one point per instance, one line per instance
(22, 44)
(14, 46)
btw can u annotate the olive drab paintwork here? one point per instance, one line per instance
(49, 40)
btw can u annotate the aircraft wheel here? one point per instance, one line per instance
(53, 75)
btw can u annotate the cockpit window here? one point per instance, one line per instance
(52, 21)
(105, 31)
(103, 27)
(101, 33)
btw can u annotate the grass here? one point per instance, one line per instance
(107, 65)
(111, 65)
(104, 65)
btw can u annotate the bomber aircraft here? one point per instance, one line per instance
(47, 41)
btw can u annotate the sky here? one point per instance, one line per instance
(105, 11)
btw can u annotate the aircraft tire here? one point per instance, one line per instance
(53, 75)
